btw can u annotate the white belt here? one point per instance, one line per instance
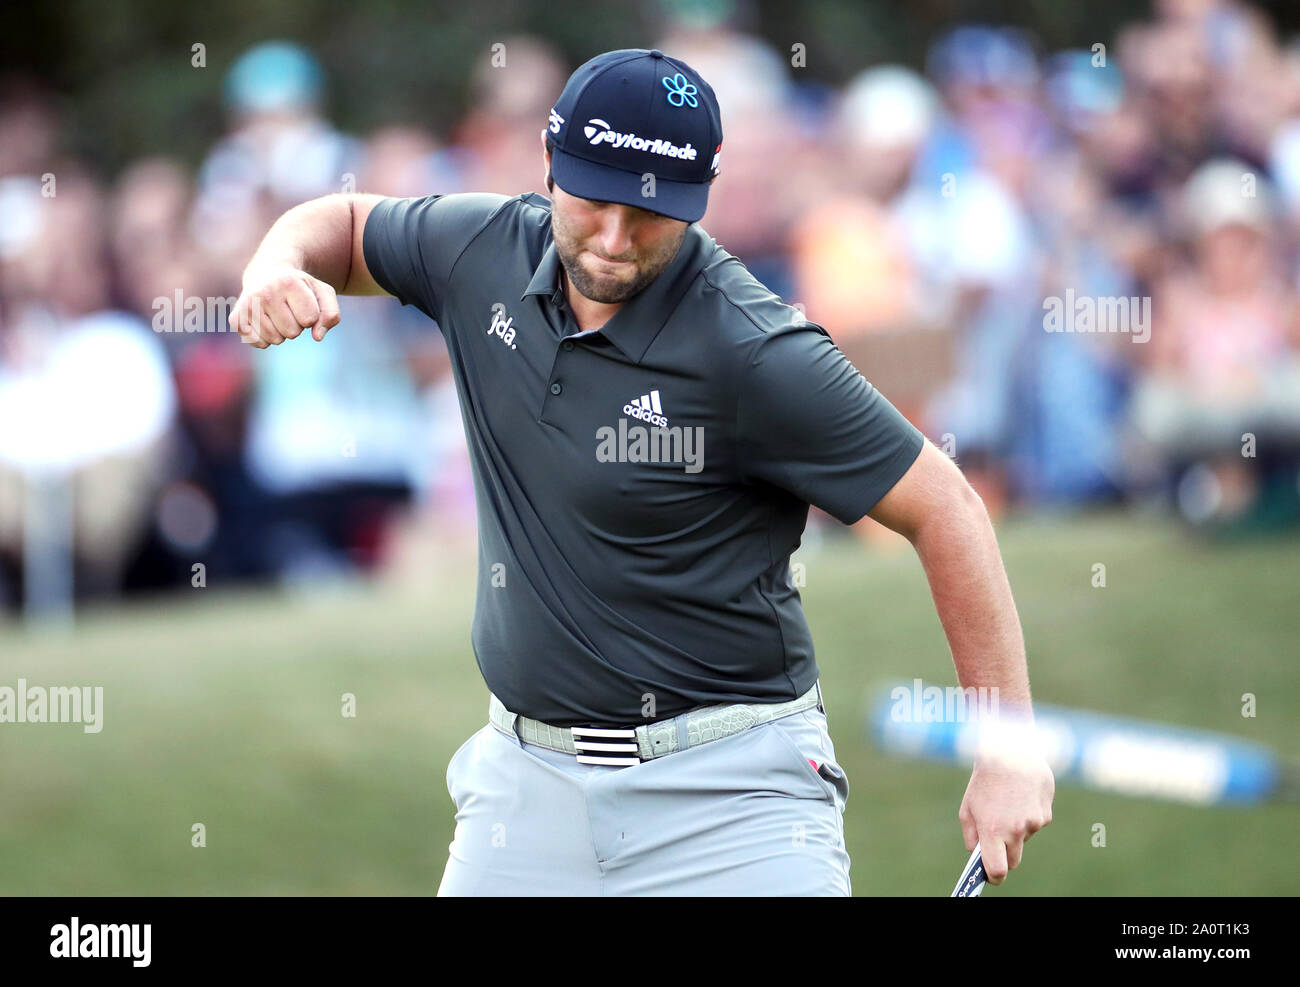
(632, 745)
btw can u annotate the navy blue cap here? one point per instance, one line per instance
(630, 114)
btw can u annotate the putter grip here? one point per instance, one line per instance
(971, 882)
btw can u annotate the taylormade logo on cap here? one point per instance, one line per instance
(598, 131)
(630, 113)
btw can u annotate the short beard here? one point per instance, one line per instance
(602, 291)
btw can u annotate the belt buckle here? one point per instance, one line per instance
(606, 745)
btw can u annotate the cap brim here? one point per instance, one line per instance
(686, 201)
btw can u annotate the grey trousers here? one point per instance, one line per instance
(747, 814)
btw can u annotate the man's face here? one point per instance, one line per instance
(610, 251)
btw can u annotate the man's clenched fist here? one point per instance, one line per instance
(278, 303)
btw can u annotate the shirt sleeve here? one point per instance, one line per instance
(810, 424)
(411, 245)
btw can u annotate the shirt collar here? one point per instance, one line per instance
(546, 279)
(634, 326)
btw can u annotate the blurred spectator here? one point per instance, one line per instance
(27, 133)
(152, 252)
(280, 151)
(851, 258)
(1070, 389)
(28, 127)
(86, 398)
(513, 89)
(1224, 363)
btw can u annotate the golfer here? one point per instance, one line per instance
(648, 425)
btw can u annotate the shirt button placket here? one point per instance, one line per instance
(555, 388)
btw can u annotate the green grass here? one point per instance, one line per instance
(223, 708)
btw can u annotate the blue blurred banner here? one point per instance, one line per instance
(1096, 750)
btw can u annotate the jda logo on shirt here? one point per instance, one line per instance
(502, 325)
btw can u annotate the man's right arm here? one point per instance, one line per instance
(311, 254)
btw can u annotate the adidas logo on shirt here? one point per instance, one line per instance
(647, 409)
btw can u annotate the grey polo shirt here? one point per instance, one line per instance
(639, 487)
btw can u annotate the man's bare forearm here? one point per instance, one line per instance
(319, 237)
(972, 596)
(1009, 797)
(310, 256)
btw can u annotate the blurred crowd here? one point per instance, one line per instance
(1076, 271)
